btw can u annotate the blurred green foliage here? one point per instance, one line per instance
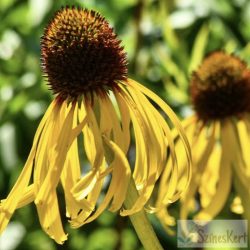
(165, 41)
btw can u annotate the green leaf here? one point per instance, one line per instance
(199, 48)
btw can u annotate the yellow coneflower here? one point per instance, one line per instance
(219, 136)
(95, 110)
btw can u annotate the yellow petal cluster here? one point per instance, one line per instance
(109, 131)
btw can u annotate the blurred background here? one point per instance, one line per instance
(165, 41)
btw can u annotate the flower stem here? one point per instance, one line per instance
(141, 223)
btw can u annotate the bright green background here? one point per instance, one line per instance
(165, 41)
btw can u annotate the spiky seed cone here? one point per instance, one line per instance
(221, 87)
(81, 54)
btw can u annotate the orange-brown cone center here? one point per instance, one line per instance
(81, 54)
(220, 88)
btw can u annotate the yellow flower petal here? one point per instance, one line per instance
(9, 205)
(210, 177)
(50, 219)
(236, 205)
(225, 176)
(244, 144)
(199, 165)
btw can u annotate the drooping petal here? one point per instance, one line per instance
(88, 189)
(239, 161)
(110, 127)
(9, 205)
(125, 120)
(168, 111)
(203, 144)
(140, 170)
(119, 170)
(210, 177)
(119, 182)
(96, 156)
(176, 123)
(244, 143)
(165, 194)
(225, 175)
(51, 159)
(50, 218)
(28, 196)
(151, 136)
(56, 154)
(70, 175)
(241, 166)
(237, 206)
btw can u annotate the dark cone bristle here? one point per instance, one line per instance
(81, 54)
(220, 88)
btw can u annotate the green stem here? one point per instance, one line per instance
(141, 223)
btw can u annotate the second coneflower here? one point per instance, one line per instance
(94, 112)
(219, 135)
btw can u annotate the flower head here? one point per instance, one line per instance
(220, 88)
(94, 113)
(219, 135)
(81, 54)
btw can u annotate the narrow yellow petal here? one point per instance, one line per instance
(210, 177)
(122, 173)
(58, 154)
(244, 144)
(125, 119)
(88, 189)
(165, 195)
(170, 114)
(219, 199)
(118, 186)
(140, 173)
(50, 219)
(9, 205)
(149, 136)
(237, 206)
(110, 118)
(199, 166)
(225, 175)
(173, 118)
(70, 175)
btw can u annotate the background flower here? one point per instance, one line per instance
(219, 134)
